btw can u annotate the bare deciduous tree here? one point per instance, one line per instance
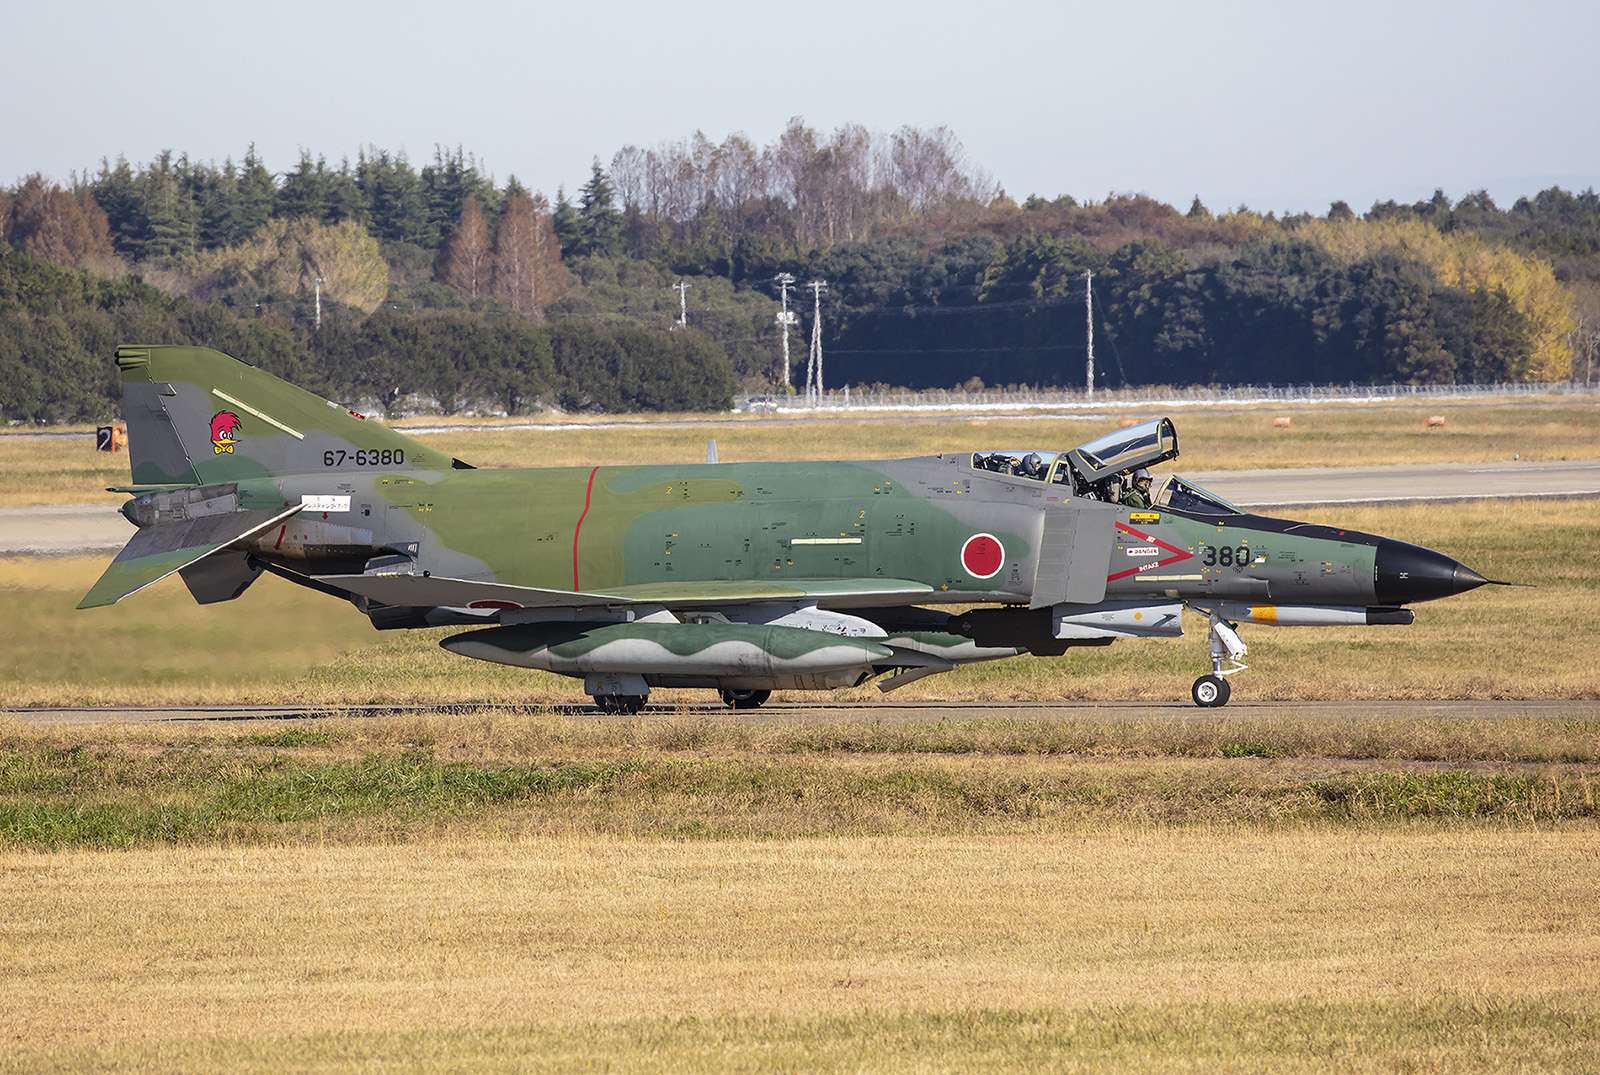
(466, 259)
(528, 273)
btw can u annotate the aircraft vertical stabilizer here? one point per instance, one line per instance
(199, 417)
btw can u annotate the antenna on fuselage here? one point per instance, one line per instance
(711, 450)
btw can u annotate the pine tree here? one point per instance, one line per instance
(447, 183)
(221, 209)
(257, 194)
(171, 218)
(115, 192)
(601, 222)
(569, 229)
(305, 191)
(394, 197)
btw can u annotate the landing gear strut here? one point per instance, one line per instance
(1226, 647)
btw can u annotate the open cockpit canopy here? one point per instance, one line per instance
(1094, 469)
(1089, 465)
(1125, 450)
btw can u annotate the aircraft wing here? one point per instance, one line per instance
(157, 551)
(420, 590)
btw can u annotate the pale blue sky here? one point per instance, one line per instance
(1275, 106)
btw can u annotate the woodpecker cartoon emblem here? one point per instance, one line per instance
(223, 427)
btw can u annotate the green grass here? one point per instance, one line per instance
(92, 789)
(1449, 1031)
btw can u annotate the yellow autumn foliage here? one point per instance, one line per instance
(289, 256)
(1468, 262)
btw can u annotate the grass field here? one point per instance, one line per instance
(1129, 948)
(521, 890)
(524, 886)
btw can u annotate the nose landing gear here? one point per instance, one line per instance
(1226, 647)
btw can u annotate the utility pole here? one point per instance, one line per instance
(683, 309)
(817, 288)
(1088, 329)
(785, 281)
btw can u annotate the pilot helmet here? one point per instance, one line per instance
(1030, 462)
(1141, 475)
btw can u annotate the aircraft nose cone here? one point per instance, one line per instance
(1408, 573)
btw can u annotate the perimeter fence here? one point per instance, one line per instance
(1024, 398)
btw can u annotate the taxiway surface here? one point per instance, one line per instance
(824, 712)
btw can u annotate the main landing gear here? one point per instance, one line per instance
(1226, 647)
(628, 704)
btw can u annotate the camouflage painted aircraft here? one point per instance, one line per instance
(746, 578)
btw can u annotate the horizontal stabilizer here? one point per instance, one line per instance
(157, 551)
(424, 590)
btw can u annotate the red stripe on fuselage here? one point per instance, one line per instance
(587, 494)
(1179, 554)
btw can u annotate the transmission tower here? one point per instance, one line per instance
(785, 281)
(683, 308)
(814, 366)
(1088, 328)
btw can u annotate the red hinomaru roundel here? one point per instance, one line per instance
(983, 556)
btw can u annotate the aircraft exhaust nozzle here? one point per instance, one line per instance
(1408, 573)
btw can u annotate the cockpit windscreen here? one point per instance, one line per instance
(1179, 495)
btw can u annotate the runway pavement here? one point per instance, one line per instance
(823, 711)
(82, 529)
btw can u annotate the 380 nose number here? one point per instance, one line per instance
(1224, 555)
(361, 457)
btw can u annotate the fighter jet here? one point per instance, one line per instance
(741, 577)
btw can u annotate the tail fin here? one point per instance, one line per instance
(198, 417)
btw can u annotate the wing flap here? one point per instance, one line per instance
(154, 552)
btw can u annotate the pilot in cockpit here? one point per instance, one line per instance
(1137, 493)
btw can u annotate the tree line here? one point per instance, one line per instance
(378, 280)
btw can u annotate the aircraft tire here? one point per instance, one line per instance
(750, 699)
(1209, 691)
(619, 703)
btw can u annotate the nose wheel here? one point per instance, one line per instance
(1210, 691)
(1226, 648)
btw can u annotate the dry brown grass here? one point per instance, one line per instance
(1124, 949)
